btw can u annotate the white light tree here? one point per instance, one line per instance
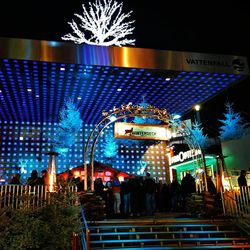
(69, 124)
(233, 126)
(103, 23)
(110, 147)
(198, 136)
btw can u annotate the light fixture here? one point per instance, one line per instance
(112, 118)
(119, 90)
(167, 79)
(176, 116)
(197, 107)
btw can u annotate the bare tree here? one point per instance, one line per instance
(103, 24)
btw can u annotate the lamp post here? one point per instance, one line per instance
(197, 108)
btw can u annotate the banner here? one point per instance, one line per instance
(142, 131)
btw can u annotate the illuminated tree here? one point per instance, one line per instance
(69, 124)
(102, 24)
(197, 136)
(233, 126)
(140, 120)
(110, 147)
(145, 120)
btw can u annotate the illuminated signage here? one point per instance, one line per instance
(230, 64)
(142, 131)
(183, 156)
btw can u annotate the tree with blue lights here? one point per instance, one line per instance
(140, 120)
(145, 120)
(110, 149)
(69, 124)
(198, 136)
(233, 126)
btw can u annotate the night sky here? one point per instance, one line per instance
(204, 27)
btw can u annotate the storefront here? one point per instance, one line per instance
(186, 161)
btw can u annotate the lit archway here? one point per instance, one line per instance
(132, 111)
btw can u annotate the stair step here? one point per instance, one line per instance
(182, 247)
(183, 233)
(166, 232)
(154, 225)
(210, 240)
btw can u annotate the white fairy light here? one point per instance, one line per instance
(103, 23)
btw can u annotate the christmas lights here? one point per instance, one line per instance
(102, 24)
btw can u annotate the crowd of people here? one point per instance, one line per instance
(33, 180)
(142, 195)
(137, 195)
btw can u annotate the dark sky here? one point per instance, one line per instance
(202, 26)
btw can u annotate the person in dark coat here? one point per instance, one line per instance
(109, 199)
(34, 179)
(15, 179)
(126, 194)
(150, 190)
(187, 188)
(242, 181)
(99, 187)
(210, 185)
(175, 194)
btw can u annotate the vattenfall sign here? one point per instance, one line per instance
(142, 131)
(215, 63)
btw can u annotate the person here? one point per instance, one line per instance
(126, 194)
(109, 198)
(15, 179)
(175, 194)
(44, 173)
(34, 179)
(137, 196)
(80, 184)
(150, 190)
(187, 188)
(210, 185)
(71, 178)
(117, 194)
(242, 181)
(99, 187)
(244, 192)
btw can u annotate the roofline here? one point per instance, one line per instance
(127, 57)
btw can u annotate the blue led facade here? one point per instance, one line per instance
(29, 143)
(34, 91)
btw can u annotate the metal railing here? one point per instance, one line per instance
(25, 196)
(236, 202)
(85, 232)
(236, 205)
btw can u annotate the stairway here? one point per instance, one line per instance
(168, 233)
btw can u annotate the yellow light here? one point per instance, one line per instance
(197, 107)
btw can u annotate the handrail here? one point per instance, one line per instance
(235, 204)
(85, 236)
(11, 195)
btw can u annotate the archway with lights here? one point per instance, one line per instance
(130, 110)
